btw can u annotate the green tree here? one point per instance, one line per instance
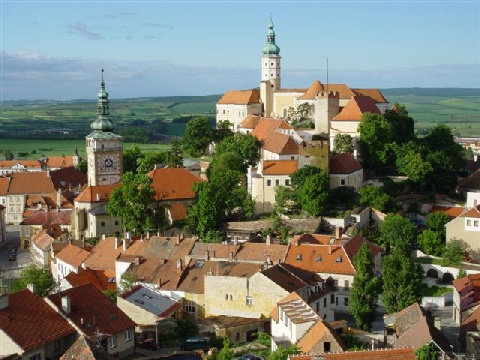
(130, 159)
(282, 353)
(175, 154)
(284, 199)
(8, 154)
(343, 143)
(431, 242)
(224, 130)
(41, 279)
(402, 281)
(149, 160)
(198, 135)
(82, 166)
(314, 193)
(128, 280)
(185, 328)
(454, 253)
(436, 221)
(299, 177)
(365, 289)
(226, 353)
(375, 134)
(245, 145)
(412, 163)
(427, 352)
(398, 232)
(133, 201)
(375, 197)
(402, 124)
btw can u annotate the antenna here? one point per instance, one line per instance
(327, 75)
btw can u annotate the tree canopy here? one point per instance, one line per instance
(365, 289)
(245, 145)
(314, 193)
(343, 143)
(134, 202)
(375, 197)
(130, 159)
(375, 134)
(198, 135)
(40, 278)
(398, 232)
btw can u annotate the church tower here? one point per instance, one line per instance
(104, 148)
(270, 71)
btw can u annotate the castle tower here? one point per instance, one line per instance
(104, 148)
(270, 71)
(326, 107)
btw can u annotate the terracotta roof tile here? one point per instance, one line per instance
(98, 193)
(279, 167)
(240, 97)
(90, 306)
(73, 255)
(4, 182)
(353, 245)
(171, 248)
(59, 161)
(68, 177)
(99, 278)
(315, 334)
(267, 126)
(177, 211)
(471, 182)
(103, 255)
(379, 354)
(472, 212)
(258, 252)
(28, 164)
(41, 239)
(250, 122)
(451, 211)
(312, 239)
(279, 143)
(356, 107)
(344, 164)
(83, 349)
(37, 182)
(313, 90)
(21, 319)
(52, 217)
(284, 278)
(215, 251)
(320, 258)
(173, 183)
(375, 94)
(344, 92)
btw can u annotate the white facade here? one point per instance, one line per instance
(236, 113)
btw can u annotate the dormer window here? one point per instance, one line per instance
(299, 257)
(319, 258)
(339, 259)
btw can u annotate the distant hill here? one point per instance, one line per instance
(441, 92)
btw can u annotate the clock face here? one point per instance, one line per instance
(108, 162)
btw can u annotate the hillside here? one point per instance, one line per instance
(161, 117)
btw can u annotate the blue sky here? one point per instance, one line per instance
(55, 49)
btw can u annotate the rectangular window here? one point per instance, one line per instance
(287, 182)
(324, 302)
(475, 223)
(35, 357)
(269, 182)
(113, 341)
(116, 223)
(345, 301)
(190, 307)
(102, 224)
(249, 301)
(56, 345)
(342, 182)
(332, 298)
(317, 306)
(347, 284)
(237, 337)
(277, 182)
(469, 222)
(128, 334)
(326, 346)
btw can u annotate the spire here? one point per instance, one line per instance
(271, 48)
(102, 122)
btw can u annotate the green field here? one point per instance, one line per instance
(41, 148)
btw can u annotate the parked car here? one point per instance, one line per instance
(13, 249)
(196, 343)
(249, 357)
(149, 344)
(12, 256)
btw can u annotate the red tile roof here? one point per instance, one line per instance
(472, 212)
(30, 322)
(267, 126)
(313, 90)
(103, 255)
(92, 311)
(41, 239)
(316, 334)
(60, 161)
(344, 164)
(4, 181)
(173, 183)
(279, 167)
(279, 143)
(240, 97)
(52, 217)
(38, 182)
(98, 193)
(451, 211)
(73, 255)
(258, 252)
(353, 245)
(375, 94)
(177, 211)
(250, 122)
(28, 164)
(68, 177)
(356, 107)
(99, 278)
(312, 239)
(379, 354)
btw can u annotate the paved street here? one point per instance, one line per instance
(11, 269)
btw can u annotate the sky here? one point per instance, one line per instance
(56, 49)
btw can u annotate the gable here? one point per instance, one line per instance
(356, 107)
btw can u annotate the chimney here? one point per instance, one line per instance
(98, 196)
(230, 256)
(66, 305)
(117, 242)
(355, 154)
(31, 287)
(207, 255)
(438, 323)
(3, 301)
(126, 242)
(235, 240)
(329, 249)
(179, 266)
(138, 259)
(59, 203)
(269, 260)
(177, 240)
(338, 232)
(84, 266)
(268, 240)
(159, 282)
(148, 235)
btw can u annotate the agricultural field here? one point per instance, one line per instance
(42, 128)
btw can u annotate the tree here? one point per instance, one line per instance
(82, 166)
(133, 201)
(226, 353)
(245, 145)
(436, 221)
(175, 154)
(431, 242)
(375, 134)
(454, 253)
(224, 129)
(375, 197)
(130, 159)
(8, 154)
(299, 177)
(284, 199)
(40, 278)
(427, 352)
(412, 163)
(149, 160)
(282, 353)
(402, 124)
(365, 289)
(198, 135)
(343, 143)
(185, 328)
(127, 280)
(398, 232)
(314, 193)
(402, 281)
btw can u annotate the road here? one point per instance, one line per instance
(11, 269)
